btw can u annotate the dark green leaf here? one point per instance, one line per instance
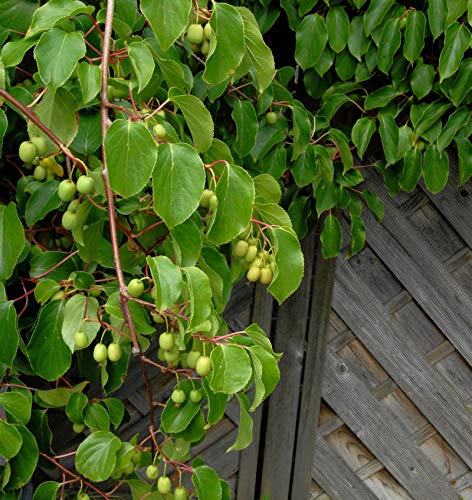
(96, 417)
(10, 440)
(244, 116)
(207, 483)
(90, 80)
(302, 128)
(12, 240)
(337, 24)
(412, 167)
(461, 86)
(244, 437)
(414, 35)
(358, 42)
(389, 44)
(200, 297)
(374, 204)
(437, 15)
(456, 42)
(176, 418)
(44, 200)
(167, 281)
(362, 132)
(357, 234)
(464, 150)
(304, 169)
(24, 462)
(47, 491)
(376, 13)
(435, 169)
(17, 405)
(389, 135)
(380, 98)
(422, 79)
(142, 61)
(454, 123)
(311, 38)
(331, 237)
(9, 335)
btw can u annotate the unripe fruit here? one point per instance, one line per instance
(166, 341)
(100, 353)
(27, 152)
(271, 118)
(240, 249)
(253, 274)
(129, 469)
(85, 184)
(158, 319)
(40, 143)
(66, 243)
(69, 220)
(136, 457)
(67, 190)
(213, 203)
(195, 34)
(258, 262)
(159, 131)
(172, 354)
(116, 474)
(207, 31)
(135, 288)
(205, 198)
(161, 354)
(152, 472)
(420, 145)
(180, 493)
(50, 176)
(192, 358)
(195, 396)
(95, 290)
(80, 340)
(59, 295)
(161, 113)
(27, 83)
(251, 253)
(164, 485)
(203, 366)
(205, 47)
(403, 22)
(266, 276)
(78, 428)
(40, 173)
(73, 206)
(114, 352)
(83, 496)
(178, 396)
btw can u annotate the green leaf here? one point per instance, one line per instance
(345, 65)
(139, 314)
(75, 407)
(10, 440)
(331, 237)
(168, 19)
(17, 405)
(214, 264)
(273, 214)
(68, 48)
(244, 116)
(244, 437)
(235, 193)
(357, 232)
(227, 45)
(454, 123)
(23, 464)
(258, 52)
(80, 314)
(17, 14)
(269, 372)
(9, 335)
(304, 170)
(267, 189)
(289, 264)
(13, 52)
(430, 116)
(461, 86)
(40, 429)
(311, 38)
(198, 120)
(116, 410)
(90, 80)
(96, 455)
(412, 167)
(325, 61)
(178, 170)
(142, 61)
(47, 491)
(324, 163)
(437, 15)
(89, 137)
(43, 201)
(343, 147)
(414, 35)
(362, 133)
(131, 155)
(200, 297)
(389, 44)
(54, 12)
(3, 127)
(12, 240)
(376, 13)
(374, 204)
(422, 79)
(48, 354)
(380, 97)
(216, 404)
(337, 24)
(464, 150)
(96, 417)
(456, 42)
(325, 196)
(389, 135)
(358, 42)
(207, 483)
(167, 281)
(435, 169)
(176, 418)
(302, 128)
(187, 241)
(56, 398)
(231, 369)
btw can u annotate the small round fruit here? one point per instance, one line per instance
(129, 469)
(158, 319)
(205, 198)
(95, 290)
(114, 352)
(192, 358)
(40, 173)
(161, 354)
(178, 396)
(253, 274)
(66, 243)
(73, 206)
(195, 34)
(172, 355)
(159, 131)
(403, 22)
(78, 428)
(59, 295)
(271, 117)
(85, 184)
(69, 220)
(135, 288)
(205, 47)
(166, 341)
(100, 353)
(266, 276)
(83, 496)
(240, 249)
(213, 203)
(164, 485)
(50, 176)
(80, 340)
(180, 493)
(251, 253)
(27, 152)
(203, 367)
(161, 113)
(67, 190)
(116, 474)
(420, 145)
(136, 457)
(207, 31)
(40, 143)
(152, 472)
(195, 396)
(258, 262)
(27, 83)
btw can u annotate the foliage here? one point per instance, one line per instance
(153, 156)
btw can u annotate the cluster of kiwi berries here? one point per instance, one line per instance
(100, 352)
(199, 37)
(260, 263)
(67, 190)
(30, 153)
(164, 484)
(208, 200)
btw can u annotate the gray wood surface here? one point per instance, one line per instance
(392, 346)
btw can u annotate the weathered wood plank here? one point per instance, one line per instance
(381, 432)
(282, 414)
(322, 290)
(391, 344)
